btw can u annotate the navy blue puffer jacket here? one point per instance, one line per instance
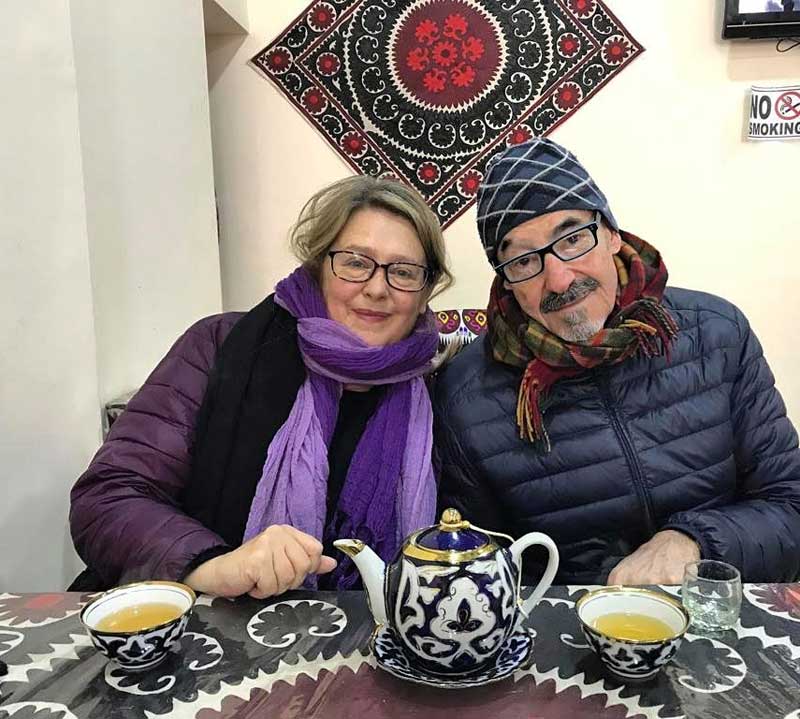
(700, 443)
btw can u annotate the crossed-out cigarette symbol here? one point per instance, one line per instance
(788, 105)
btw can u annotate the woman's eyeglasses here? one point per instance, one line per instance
(355, 267)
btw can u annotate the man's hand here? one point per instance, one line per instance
(659, 561)
(278, 559)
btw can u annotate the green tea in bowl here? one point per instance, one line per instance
(138, 625)
(138, 617)
(638, 627)
(633, 631)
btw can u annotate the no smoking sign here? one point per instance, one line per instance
(774, 113)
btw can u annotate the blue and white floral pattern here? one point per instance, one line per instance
(632, 661)
(453, 619)
(144, 650)
(391, 657)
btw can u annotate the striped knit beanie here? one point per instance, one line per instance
(528, 180)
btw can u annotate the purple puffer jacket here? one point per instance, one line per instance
(125, 519)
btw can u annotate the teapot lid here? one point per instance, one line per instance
(453, 540)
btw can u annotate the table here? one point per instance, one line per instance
(307, 654)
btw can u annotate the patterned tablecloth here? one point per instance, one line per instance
(307, 655)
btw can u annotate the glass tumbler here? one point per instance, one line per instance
(712, 594)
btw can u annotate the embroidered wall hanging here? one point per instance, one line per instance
(428, 90)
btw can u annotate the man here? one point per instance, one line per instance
(639, 428)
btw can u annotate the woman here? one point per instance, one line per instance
(262, 437)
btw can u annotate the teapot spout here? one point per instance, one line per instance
(372, 569)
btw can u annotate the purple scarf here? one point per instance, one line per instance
(389, 490)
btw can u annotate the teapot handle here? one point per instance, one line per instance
(518, 547)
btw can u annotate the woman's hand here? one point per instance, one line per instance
(659, 561)
(278, 559)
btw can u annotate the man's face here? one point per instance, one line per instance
(571, 299)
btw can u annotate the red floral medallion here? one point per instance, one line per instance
(321, 16)
(568, 96)
(616, 50)
(328, 64)
(279, 60)
(314, 101)
(353, 144)
(582, 8)
(469, 183)
(569, 45)
(519, 135)
(446, 53)
(429, 173)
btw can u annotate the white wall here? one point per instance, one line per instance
(664, 140)
(146, 140)
(720, 209)
(225, 16)
(108, 240)
(49, 417)
(237, 9)
(267, 159)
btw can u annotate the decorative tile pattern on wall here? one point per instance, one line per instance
(428, 90)
(460, 326)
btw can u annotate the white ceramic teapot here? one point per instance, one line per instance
(452, 595)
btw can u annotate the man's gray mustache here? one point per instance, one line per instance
(576, 291)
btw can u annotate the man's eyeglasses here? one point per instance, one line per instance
(576, 243)
(355, 267)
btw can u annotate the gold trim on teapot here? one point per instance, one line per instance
(451, 521)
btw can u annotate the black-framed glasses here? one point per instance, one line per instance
(576, 243)
(355, 267)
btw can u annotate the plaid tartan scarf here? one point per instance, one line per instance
(639, 324)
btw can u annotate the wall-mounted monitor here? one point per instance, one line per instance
(761, 19)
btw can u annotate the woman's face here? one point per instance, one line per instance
(377, 313)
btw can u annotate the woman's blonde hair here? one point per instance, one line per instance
(326, 213)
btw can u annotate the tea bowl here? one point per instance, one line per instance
(144, 648)
(632, 660)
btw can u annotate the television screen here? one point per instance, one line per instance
(751, 6)
(761, 18)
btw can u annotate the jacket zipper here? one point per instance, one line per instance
(630, 454)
